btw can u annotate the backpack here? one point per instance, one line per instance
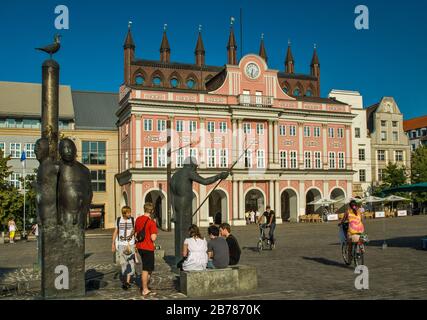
(140, 236)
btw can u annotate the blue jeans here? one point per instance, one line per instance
(271, 233)
(210, 265)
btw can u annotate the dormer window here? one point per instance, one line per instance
(190, 83)
(139, 80)
(157, 81)
(308, 93)
(297, 92)
(174, 83)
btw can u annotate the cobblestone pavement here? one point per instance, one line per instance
(306, 264)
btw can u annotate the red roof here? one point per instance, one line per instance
(416, 123)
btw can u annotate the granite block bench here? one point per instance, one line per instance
(213, 282)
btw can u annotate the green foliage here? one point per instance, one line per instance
(394, 176)
(419, 171)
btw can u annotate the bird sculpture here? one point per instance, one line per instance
(52, 48)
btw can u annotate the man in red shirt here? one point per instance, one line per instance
(146, 245)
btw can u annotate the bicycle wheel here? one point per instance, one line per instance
(344, 251)
(358, 256)
(259, 246)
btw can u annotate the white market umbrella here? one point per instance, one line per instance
(323, 202)
(372, 199)
(393, 198)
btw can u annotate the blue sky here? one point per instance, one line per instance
(386, 60)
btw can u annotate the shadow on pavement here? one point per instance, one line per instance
(401, 242)
(94, 280)
(327, 262)
(253, 249)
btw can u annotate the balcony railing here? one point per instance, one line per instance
(259, 101)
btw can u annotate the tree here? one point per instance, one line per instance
(419, 171)
(394, 176)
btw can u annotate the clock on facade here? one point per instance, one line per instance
(252, 70)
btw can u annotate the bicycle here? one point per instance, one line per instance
(264, 242)
(358, 251)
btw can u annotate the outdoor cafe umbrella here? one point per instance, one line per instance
(393, 199)
(323, 202)
(373, 199)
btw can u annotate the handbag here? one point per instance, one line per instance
(140, 236)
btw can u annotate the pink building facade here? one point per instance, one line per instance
(289, 150)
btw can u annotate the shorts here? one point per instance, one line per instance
(12, 234)
(147, 260)
(127, 262)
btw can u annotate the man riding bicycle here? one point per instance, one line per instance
(270, 223)
(352, 224)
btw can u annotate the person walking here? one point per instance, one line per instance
(146, 235)
(195, 251)
(124, 243)
(12, 230)
(233, 245)
(218, 252)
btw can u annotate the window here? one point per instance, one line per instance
(246, 99)
(282, 130)
(31, 124)
(179, 126)
(383, 123)
(258, 97)
(127, 128)
(414, 147)
(193, 126)
(283, 160)
(161, 125)
(340, 133)
(380, 175)
(15, 150)
(174, 83)
(285, 90)
(381, 155)
(362, 155)
(247, 128)
(157, 81)
(307, 159)
(395, 124)
(161, 157)
(414, 134)
(148, 125)
(292, 131)
(223, 158)
(260, 128)
(29, 150)
(308, 93)
(180, 158)
(395, 136)
(248, 159)
(317, 160)
(362, 175)
(332, 164)
(223, 127)
(3, 148)
(211, 158)
(307, 132)
(260, 159)
(15, 180)
(148, 157)
(211, 126)
(317, 131)
(383, 136)
(193, 153)
(399, 155)
(297, 92)
(357, 132)
(98, 180)
(190, 83)
(139, 80)
(293, 159)
(94, 152)
(126, 160)
(341, 160)
(331, 132)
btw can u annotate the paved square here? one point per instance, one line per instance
(306, 264)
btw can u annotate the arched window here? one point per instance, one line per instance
(157, 81)
(190, 83)
(139, 80)
(297, 92)
(309, 93)
(285, 89)
(174, 82)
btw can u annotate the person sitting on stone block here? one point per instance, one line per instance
(233, 245)
(194, 251)
(218, 252)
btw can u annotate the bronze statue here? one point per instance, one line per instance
(182, 198)
(74, 186)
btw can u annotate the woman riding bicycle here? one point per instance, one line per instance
(352, 224)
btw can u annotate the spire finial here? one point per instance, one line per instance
(262, 36)
(130, 24)
(289, 42)
(165, 27)
(200, 28)
(232, 21)
(315, 46)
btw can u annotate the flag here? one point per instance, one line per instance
(23, 158)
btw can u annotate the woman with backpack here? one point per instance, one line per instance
(124, 243)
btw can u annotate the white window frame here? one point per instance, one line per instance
(223, 127)
(292, 131)
(341, 160)
(283, 158)
(362, 155)
(29, 150)
(340, 133)
(260, 129)
(223, 158)
(396, 153)
(247, 128)
(3, 148)
(161, 125)
(293, 159)
(332, 160)
(382, 152)
(317, 160)
(14, 180)
(395, 135)
(248, 159)
(317, 131)
(126, 160)
(282, 130)
(364, 175)
(179, 125)
(15, 153)
(180, 157)
(211, 158)
(307, 160)
(192, 126)
(383, 135)
(148, 157)
(307, 131)
(193, 153)
(357, 133)
(161, 157)
(331, 132)
(260, 159)
(211, 126)
(148, 125)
